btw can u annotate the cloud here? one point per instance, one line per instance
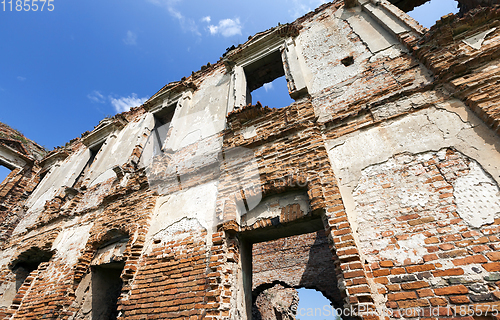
(131, 38)
(206, 19)
(125, 103)
(268, 86)
(301, 7)
(187, 24)
(21, 78)
(96, 97)
(226, 27)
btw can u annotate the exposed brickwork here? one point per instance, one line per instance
(298, 261)
(415, 226)
(471, 73)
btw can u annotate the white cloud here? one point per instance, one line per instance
(226, 27)
(125, 103)
(131, 38)
(96, 97)
(268, 86)
(187, 24)
(206, 19)
(21, 78)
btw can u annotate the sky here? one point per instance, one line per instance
(66, 67)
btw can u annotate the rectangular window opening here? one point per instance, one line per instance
(94, 150)
(266, 82)
(4, 172)
(160, 130)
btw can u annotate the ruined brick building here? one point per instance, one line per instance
(378, 186)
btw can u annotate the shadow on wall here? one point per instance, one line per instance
(285, 264)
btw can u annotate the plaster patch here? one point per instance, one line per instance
(476, 41)
(477, 197)
(249, 132)
(70, 242)
(179, 229)
(271, 207)
(196, 203)
(412, 249)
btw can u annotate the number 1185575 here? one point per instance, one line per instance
(27, 5)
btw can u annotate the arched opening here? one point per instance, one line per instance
(313, 305)
(27, 262)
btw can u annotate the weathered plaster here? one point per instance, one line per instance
(203, 116)
(117, 149)
(194, 204)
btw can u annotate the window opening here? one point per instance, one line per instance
(4, 172)
(266, 82)
(28, 262)
(432, 11)
(94, 150)
(160, 130)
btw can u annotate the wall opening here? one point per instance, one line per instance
(274, 269)
(428, 13)
(4, 172)
(106, 269)
(94, 150)
(28, 262)
(313, 305)
(158, 135)
(266, 82)
(106, 288)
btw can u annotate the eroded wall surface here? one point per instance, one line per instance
(378, 186)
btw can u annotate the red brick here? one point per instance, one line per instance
(493, 256)
(448, 272)
(459, 289)
(492, 266)
(424, 267)
(422, 293)
(414, 285)
(459, 299)
(401, 296)
(470, 260)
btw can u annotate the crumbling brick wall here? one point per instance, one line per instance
(381, 173)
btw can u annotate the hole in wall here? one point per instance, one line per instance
(28, 262)
(4, 172)
(428, 13)
(347, 61)
(266, 82)
(106, 289)
(273, 94)
(313, 305)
